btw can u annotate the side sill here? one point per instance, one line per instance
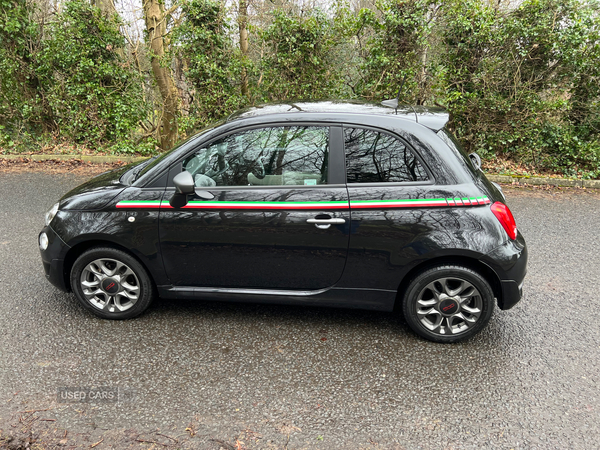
(368, 299)
(184, 290)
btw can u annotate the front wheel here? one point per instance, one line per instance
(111, 283)
(448, 303)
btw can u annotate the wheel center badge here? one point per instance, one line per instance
(110, 286)
(449, 307)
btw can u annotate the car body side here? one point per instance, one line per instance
(382, 257)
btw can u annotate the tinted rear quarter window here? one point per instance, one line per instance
(458, 150)
(376, 157)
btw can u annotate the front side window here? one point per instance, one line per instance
(273, 156)
(374, 157)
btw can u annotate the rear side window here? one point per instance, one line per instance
(458, 150)
(375, 157)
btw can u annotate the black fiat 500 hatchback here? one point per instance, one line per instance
(326, 203)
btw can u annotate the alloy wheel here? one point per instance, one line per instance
(449, 306)
(110, 285)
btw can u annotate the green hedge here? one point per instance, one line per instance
(521, 83)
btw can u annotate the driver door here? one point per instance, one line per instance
(275, 222)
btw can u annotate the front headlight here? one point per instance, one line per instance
(50, 214)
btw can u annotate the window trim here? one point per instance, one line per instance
(332, 154)
(430, 181)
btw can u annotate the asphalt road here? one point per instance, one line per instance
(256, 376)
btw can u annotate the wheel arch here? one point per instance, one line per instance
(471, 263)
(80, 248)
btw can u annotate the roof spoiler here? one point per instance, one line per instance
(432, 117)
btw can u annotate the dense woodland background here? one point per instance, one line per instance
(520, 79)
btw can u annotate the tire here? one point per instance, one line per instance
(111, 284)
(448, 303)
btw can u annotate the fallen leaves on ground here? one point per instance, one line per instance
(75, 166)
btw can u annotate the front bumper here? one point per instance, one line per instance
(53, 259)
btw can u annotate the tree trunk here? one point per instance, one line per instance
(422, 76)
(422, 81)
(154, 15)
(243, 24)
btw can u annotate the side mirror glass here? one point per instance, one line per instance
(184, 183)
(476, 160)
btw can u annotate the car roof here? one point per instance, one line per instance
(432, 117)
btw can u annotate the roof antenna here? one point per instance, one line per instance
(394, 103)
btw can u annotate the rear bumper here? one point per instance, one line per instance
(509, 262)
(511, 294)
(52, 261)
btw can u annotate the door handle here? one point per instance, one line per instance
(326, 223)
(334, 221)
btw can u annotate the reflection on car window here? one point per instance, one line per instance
(271, 156)
(373, 157)
(453, 143)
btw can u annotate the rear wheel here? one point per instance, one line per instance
(111, 283)
(448, 303)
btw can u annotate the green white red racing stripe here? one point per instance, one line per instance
(408, 203)
(468, 201)
(260, 205)
(139, 204)
(354, 204)
(419, 203)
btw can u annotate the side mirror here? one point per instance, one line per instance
(476, 160)
(184, 186)
(184, 183)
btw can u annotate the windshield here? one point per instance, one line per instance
(136, 174)
(157, 159)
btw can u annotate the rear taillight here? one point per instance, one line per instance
(506, 219)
